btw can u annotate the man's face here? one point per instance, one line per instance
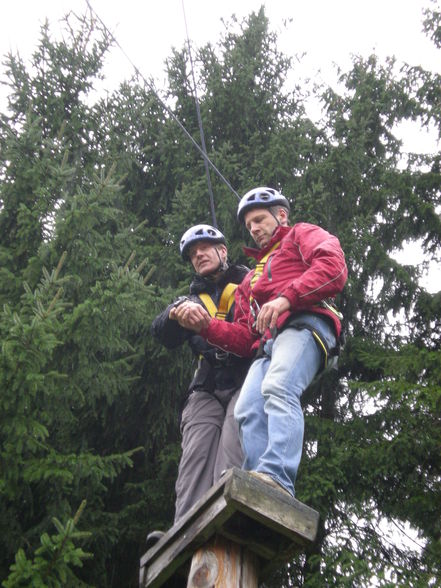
(261, 224)
(205, 257)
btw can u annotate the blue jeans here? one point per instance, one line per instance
(268, 410)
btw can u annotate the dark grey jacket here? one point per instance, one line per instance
(217, 370)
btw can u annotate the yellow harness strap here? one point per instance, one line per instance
(322, 347)
(225, 302)
(261, 264)
(258, 271)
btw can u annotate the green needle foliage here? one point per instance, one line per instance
(53, 561)
(94, 196)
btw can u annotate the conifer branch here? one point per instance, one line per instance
(149, 274)
(129, 261)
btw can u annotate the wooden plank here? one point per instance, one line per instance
(204, 504)
(245, 511)
(276, 510)
(179, 550)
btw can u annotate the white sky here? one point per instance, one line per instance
(328, 31)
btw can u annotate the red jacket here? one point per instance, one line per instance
(307, 267)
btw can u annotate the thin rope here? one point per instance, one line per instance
(161, 102)
(201, 128)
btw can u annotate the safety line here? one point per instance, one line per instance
(201, 128)
(162, 103)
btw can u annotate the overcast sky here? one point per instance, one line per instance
(328, 31)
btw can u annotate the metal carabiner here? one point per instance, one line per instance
(254, 314)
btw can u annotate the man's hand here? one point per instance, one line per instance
(269, 313)
(190, 315)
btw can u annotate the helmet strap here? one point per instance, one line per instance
(269, 209)
(223, 265)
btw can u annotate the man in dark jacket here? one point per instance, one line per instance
(210, 439)
(285, 313)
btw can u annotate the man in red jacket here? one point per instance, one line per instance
(284, 316)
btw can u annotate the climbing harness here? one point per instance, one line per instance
(261, 264)
(258, 271)
(330, 356)
(329, 305)
(220, 312)
(225, 302)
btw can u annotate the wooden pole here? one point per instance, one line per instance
(223, 564)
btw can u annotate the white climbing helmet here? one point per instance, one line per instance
(199, 233)
(260, 198)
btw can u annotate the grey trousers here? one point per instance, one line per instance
(210, 444)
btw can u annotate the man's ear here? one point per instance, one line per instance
(284, 216)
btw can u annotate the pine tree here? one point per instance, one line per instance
(94, 199)
(74, 343)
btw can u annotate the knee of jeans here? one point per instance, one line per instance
(277, 391)
(239, 412)
(243, 410)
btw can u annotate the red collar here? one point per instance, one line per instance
(278, 235)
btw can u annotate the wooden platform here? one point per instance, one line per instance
(239, 508)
